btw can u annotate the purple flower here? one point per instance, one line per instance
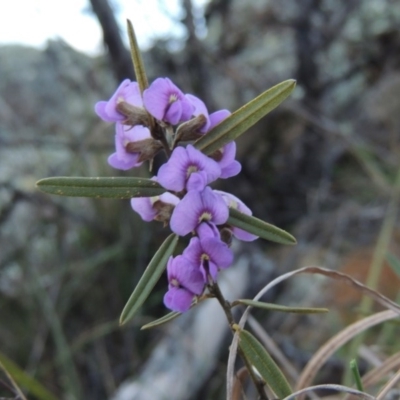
(124, 135)
(165, 102)
(197, 207)
(127, 91)
(185, 282)
(206, 230)
(226, 155)
(229, 166)
(233, 202)
(199, 109)
(209, 254)
(155, 207)
(188, 168)
(217, 117)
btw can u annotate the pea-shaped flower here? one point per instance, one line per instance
(197, 207)
(122, 158)
(127, 91)
(166, 102)
(188, 168)
(209, 254)
(185, 282)
(234, 202)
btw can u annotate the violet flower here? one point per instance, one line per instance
(199, 109)
(166, 102)
(127, 91)
(234, 202)
(225, 156)
(155, 207)
(185, 282)
(197, 207)
(209, 254)
(122, 159)
(188, 168)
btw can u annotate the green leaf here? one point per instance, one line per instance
(263, 362)
(161, 321)
(394, 263)
(23, 379)
(356, 375)
(277, 307)
(117, 187)
(245, 117)
(258, 227)
(137, 60)
(149, 278)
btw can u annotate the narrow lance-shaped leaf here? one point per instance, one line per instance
(263, 362)
(149, 278)
(258, 227)
(137, 60)
(117, 188)
(277, 307)
(245, 117)
(23, 379)
(160, 321)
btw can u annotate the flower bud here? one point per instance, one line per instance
(147, 148)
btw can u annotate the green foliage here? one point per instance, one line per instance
(265, 365)
(260, 228)
(245, 117)
(149, 278)
(114, 187)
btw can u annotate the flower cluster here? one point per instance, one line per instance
(163, 116)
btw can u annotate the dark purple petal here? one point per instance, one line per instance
(197, 181)
(218, 251)
(187, 110)
(184, 163)
(203, 163)
(178, 299)
(215, 204)
(173, 113)
(172, 174)
(212, 270)
(165, 101)
(182, 273)
(185, 216)
(206, 229)
(193, 251)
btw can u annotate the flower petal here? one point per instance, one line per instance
(178, 299)
(144, 207)
(185, 216)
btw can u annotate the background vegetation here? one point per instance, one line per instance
(324, 165)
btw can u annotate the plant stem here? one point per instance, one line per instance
(226, 306)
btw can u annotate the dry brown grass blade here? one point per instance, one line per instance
(306, 270)
(348, 280)
(339, 388)
(375, 375)
(385, 390)
(238, 383)
(330, 347)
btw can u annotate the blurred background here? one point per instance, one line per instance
(324, 166)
